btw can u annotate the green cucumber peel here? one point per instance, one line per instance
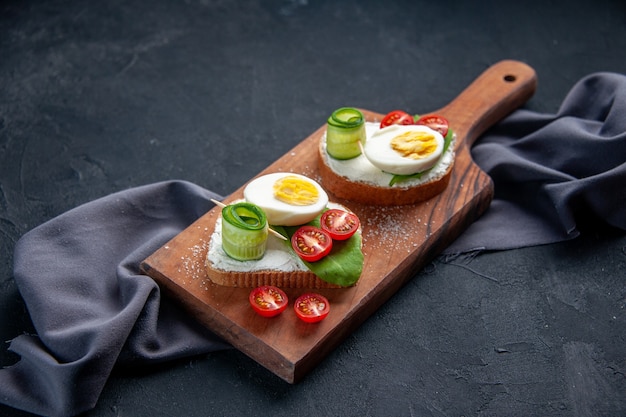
(342, 266)
(245, 215)
(346, 117)
(446, 144)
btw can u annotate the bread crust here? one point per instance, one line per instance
(367, 193)
(252, 279)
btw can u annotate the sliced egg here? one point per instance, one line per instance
(404, 149)
(287, 199)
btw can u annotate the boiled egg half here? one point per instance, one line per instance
(404, 149)
(287, 199)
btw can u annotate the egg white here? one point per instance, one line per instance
(379, 152)
(260, 191)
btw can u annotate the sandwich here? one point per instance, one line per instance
(286, 233)
(402, 159)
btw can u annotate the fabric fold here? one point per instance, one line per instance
(90, 305)
(554, 173)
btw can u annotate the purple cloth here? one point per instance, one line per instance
(92, 308)
(554, 173)
(90, 305)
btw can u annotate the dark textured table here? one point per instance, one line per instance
(102, 96)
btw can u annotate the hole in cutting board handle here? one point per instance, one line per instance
(509, 78)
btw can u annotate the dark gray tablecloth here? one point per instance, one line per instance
(551, 172)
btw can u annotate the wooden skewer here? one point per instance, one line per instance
(272, 231)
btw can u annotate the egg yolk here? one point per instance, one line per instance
(295, 191)
(414, 145)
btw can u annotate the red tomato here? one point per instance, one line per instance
(396, 117)
(339, 224)
(435, 122)
(268, 301)
(311, 307)
(311, 243)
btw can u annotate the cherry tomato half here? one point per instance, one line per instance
(311, 307)
(311, 243)
(396, 117)
(339, 224)
(435, 122)
(268, 301)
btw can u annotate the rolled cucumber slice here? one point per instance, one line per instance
(345, 130)
(244, 231)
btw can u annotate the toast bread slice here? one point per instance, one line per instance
(279, 267)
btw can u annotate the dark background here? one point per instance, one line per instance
(97, 97)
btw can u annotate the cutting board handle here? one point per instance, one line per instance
(498, 91)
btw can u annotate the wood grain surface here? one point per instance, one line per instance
(397, 240)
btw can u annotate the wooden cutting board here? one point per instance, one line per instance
(397, 240)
